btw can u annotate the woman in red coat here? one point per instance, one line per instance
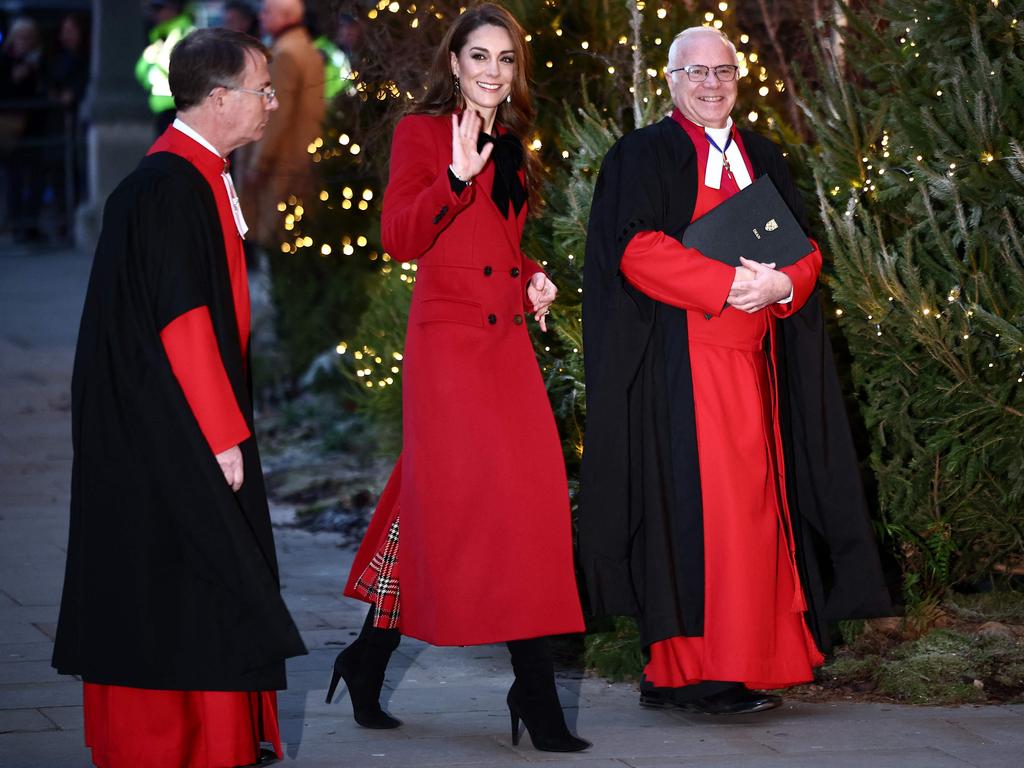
(471, 542)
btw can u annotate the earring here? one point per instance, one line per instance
(455, 82)
(508, 99)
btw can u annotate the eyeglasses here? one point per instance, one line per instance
(268, 93)
(698, 73)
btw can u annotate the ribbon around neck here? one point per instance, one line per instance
(507, 156)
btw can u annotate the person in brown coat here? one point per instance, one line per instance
(279, 165)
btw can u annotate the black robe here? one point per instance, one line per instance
(172, 579)
(641, 520)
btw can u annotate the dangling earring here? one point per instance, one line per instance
(508, 99)
(456, 84)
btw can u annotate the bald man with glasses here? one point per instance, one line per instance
(721, 504)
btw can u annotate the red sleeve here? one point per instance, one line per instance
(666, 270)
(195, 359)
(419, 201)
(804, 274)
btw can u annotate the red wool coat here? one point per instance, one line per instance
(485, 544)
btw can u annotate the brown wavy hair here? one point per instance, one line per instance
(517, 116)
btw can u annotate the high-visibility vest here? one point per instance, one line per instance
(154, 63)
(337, 69)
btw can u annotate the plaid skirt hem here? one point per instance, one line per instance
(378, 583)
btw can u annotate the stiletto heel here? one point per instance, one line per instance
(362, 666)
(534, 699)
(514, 715)
(335, 677)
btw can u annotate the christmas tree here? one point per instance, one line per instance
(919, 173)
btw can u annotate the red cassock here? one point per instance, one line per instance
(485, 543)
(754, 631)
(132, 727)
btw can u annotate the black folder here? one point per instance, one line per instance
(754, 223)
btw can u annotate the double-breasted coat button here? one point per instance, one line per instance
(487, 271)
(492, 319)
(517, 319)
(514, 271)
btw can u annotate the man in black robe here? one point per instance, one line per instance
(642, 517)
(171, 612)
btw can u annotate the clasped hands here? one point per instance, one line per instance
(757, 285)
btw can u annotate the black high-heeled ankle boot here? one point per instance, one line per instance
(534, 699)
(362, 666)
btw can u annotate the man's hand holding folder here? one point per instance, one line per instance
(754, 231)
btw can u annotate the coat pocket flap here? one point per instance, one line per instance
(450, 311)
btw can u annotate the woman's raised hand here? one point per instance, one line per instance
(467, 161)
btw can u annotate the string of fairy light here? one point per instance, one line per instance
(875, 163)
(372, 367)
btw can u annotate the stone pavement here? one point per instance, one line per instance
(452, 699)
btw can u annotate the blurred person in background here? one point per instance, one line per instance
(170, 24)
(239, 16)
(68, 72)
(337, 69)
(67, 80)
(21, 83)
(349, 37)
(279, 165)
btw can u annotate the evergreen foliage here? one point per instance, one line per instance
(919, 174)
(329, 252)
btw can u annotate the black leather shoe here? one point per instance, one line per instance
(266, 757)
(656, 698)
(733, 702)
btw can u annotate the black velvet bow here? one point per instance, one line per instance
(507, 157)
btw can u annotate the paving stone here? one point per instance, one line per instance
(65, 691)
(807, 734)
(46, 749)
(65, 718)
(24, 721)
(391, 750)
(990, 756)
(20, 633)
(861, 758)
(27, 672)
(994, 729)
(36, 651)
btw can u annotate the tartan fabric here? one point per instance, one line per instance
(378, 583)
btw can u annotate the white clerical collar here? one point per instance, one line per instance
(236, 207)
(193, 134)
(724, 154)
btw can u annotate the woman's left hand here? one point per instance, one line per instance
(541, 292)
